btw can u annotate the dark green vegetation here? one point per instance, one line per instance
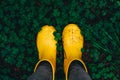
(20, 21)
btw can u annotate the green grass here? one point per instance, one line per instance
(20, 21)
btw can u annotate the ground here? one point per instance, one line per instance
(20, 21)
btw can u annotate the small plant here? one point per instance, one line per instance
(21, 20)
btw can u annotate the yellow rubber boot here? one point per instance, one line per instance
(46, 46)
(72, 44)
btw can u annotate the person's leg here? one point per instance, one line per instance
(73, 43)
(46, 45)
(43, 72)
(77, 72)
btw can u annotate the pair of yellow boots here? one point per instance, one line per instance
(72, 44)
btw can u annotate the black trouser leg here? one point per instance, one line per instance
(76, 72)
(43, 72)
